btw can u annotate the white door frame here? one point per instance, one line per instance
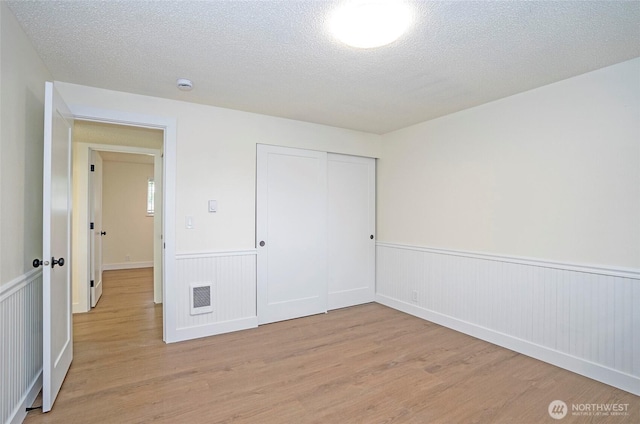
(169, 126)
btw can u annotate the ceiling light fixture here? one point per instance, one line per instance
(184, 84)
(370, 23)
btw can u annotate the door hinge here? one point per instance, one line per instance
(92, 283)
(93, 168)
(91, 226)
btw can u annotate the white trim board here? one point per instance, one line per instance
(20, 412)
(18, 283)
(213, 329)
(591, 269)
(127, 265)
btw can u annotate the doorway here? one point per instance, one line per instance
(94, 142)
(124, 215)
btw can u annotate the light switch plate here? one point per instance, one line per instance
(213, 206)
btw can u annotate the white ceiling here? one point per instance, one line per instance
(277, 58)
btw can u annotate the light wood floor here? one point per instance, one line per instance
(365, 364)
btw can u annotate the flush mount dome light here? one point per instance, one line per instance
(370, 23)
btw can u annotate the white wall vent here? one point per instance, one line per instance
(201, 298)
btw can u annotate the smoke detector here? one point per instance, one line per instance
(184, 84)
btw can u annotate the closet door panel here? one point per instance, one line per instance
(291, 233)
(351, 230)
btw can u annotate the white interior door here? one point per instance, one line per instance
(96, 233)
(56, 251)
(291, 233)
(351, 230)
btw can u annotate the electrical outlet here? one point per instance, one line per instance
(414, 296)
(127, 258)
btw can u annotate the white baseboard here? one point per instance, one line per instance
(20, 413)
(127, 265)
(76, 309)
(212, 329)
(346, 298)
(579, 366)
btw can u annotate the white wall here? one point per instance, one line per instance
(518, 222)
(124, 219)
(22, 116)
(22, 77)
(551, 173)
(216, 156)
(215, 160)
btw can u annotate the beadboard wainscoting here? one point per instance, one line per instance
(232, 276)
(581, 318)
(21, 347)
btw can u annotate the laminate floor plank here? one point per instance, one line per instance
(364, 364)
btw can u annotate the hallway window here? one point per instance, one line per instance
(150, 197)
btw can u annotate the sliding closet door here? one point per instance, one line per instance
(291, 233)
(351, 230)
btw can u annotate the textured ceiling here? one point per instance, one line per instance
(277, 58)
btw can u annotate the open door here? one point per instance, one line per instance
(56, 246)
(96, 232)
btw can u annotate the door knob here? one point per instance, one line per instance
(371, 236)
(103, 233)
(262, 243)
(37, 262)
(55, 262)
